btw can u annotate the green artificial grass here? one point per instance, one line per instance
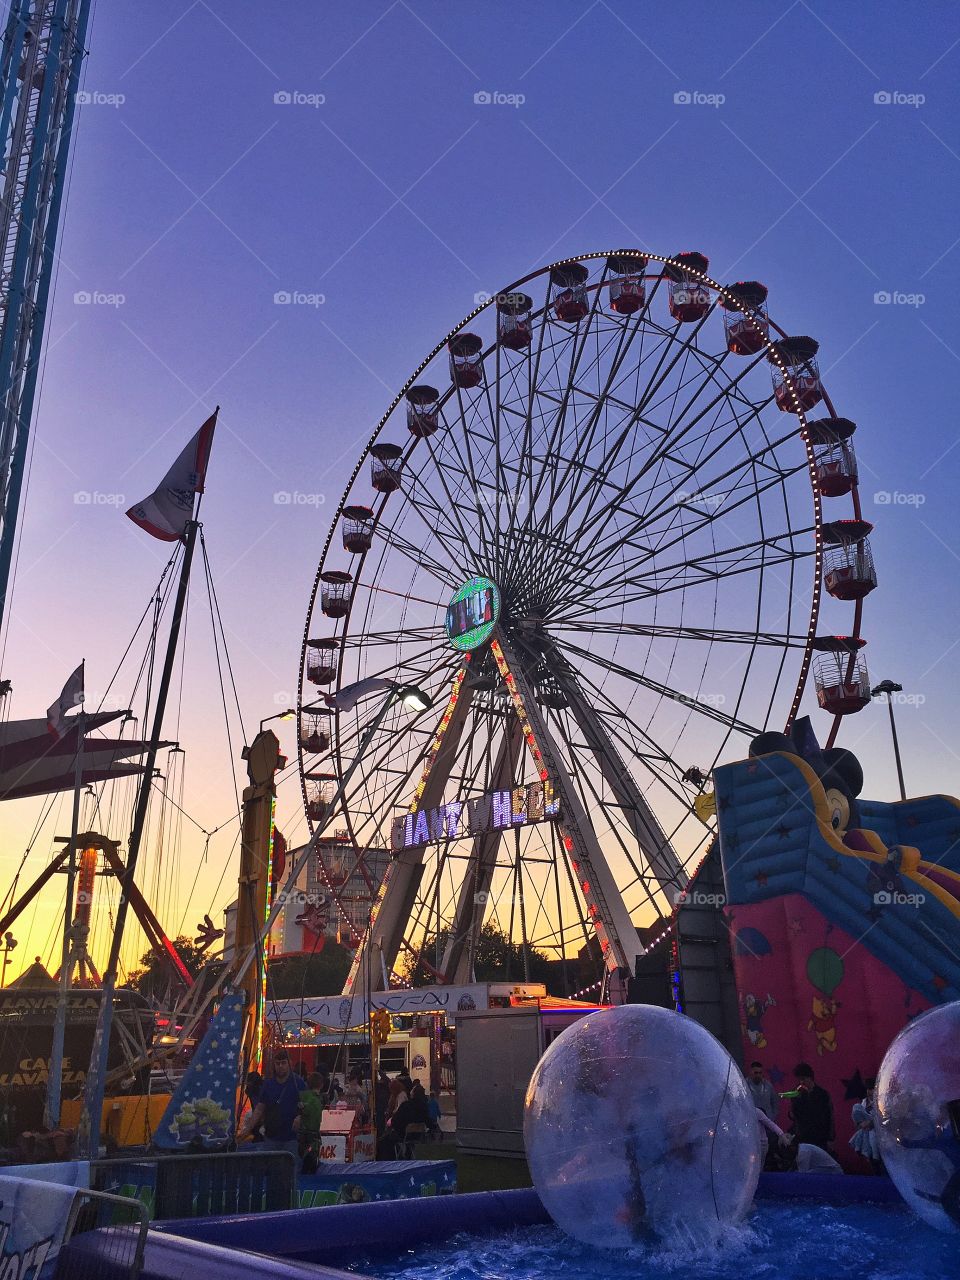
(478, 1173)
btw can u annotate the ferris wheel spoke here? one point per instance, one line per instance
(675, 695)
(673, 498)
(671, 438)
(719, 635)
(579, 446)
(418, 556)
(719, 517)
(449, 515)
(646, 567)
(577, 349)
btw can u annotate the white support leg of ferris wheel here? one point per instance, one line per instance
(619, 941)
(666, 870)
(397, 894)
(471, 903)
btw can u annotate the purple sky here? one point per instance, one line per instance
(195, 198)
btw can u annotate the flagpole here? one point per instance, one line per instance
(51, 1117)
(95, 1086)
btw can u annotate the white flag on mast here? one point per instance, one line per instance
(168, 509)
(348, 697)
(70, 696)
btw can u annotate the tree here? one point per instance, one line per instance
(497, 959)
(155, 975)
(320, 973)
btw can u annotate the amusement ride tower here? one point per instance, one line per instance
(40, 59)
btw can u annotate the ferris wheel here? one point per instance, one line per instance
(590, 527)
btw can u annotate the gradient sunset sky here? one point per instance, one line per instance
(230, 152)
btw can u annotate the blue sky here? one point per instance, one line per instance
(383, 186)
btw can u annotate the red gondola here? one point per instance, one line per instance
(834, 461)
(513, 321)
(466, 360)
(357, 529)
(627, 292)
(423, 409)
(745, 320)
(313, 739)
(842, 682)
(321, 789)
(569, 281)
(687, 296)
(321, 661)
(385, 467)
(335, 593)
(796, 376)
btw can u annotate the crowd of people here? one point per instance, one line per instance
(286, 1110)
(807, 1146)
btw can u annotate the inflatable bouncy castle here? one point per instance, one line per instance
(843, 914)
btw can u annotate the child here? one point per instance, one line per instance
(433, 1111)
(312, 1102)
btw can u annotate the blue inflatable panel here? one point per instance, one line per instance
(366, 1180)
(169, 1257)
(319, 1235)
(828, 1188)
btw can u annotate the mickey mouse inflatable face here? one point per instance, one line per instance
(838, 806)
(839, 771)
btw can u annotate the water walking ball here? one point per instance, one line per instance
(918, 1115)
(639, 1125)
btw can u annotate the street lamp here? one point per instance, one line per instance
(9, 944)
(288, 714)
(890, 687)
(413, 699)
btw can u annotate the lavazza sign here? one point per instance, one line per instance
(495, 811)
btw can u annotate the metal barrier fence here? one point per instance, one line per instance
(182, 1186)
(121, 1251)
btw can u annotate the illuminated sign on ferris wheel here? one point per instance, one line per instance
(494, 811)
(472, 614)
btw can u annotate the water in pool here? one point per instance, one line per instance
(779, 1242)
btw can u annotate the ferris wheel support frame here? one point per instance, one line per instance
(458, 957)
(654, 843)
(391, 908)
(619, 941)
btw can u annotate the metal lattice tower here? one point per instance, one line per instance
(40, 58)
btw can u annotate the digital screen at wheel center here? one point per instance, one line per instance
(472, 614)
